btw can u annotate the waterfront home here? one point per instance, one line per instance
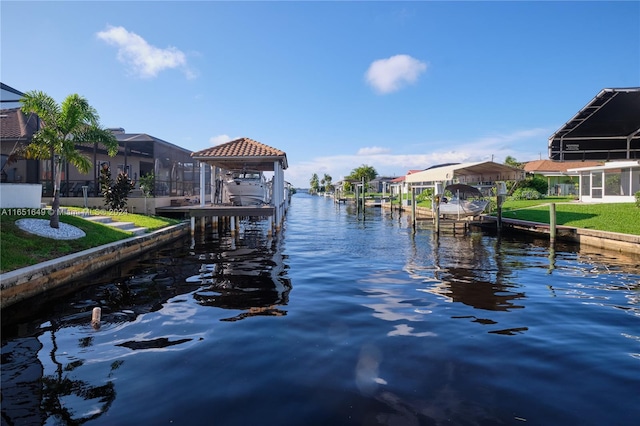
(177, 175)
(612, 182)
(559, 180)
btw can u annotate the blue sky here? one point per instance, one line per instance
(393, 85)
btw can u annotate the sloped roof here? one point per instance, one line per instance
(550, 166)
(488, 170)
(612, 165)
(14, 124)
(607, 128)
(242, 153)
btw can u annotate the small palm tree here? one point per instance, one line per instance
(64, 126)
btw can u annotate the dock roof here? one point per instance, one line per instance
(242, 153)
(485, 171)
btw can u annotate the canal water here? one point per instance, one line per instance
(339, 320)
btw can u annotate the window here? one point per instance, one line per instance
(612, 181)
(596, 184)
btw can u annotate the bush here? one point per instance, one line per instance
(526, 194)
(536, 183)
(115, 194)
(637, 194)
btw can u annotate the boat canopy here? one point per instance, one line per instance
(464, 192)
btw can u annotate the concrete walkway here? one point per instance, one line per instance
(125, 226)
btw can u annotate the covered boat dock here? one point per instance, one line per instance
(242, 153)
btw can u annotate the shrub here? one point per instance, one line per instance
(115, 194)
(148, 184)
(637, 195)
(539, 184)
(526, 194)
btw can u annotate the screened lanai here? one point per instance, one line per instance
(607, 128)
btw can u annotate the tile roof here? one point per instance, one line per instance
(14, 124)
(242, 153)
(557, 166)
(243, 147)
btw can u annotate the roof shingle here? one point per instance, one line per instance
(14, 124)
(557, 166)
(242, 147)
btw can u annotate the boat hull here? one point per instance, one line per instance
(246, 189)
(463, 208)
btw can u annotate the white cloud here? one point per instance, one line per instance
(390, 75)
(373, 150)
(220, 139)
(143, 59)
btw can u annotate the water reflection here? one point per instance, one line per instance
(247, 274)
(61, 369)
(473, 273)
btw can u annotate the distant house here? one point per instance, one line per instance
(176, 173)
(381, 184)
(482, 175)
(559, 180)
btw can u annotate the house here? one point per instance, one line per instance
(559, 180)
(612, 182)
(381, 184)
(176, 174)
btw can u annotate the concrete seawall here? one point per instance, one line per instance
(609, 241)
(30, 281)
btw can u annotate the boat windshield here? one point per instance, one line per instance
(246, 175)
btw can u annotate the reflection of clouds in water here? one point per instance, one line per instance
(392, 305)
(405, 330)
(367, 379)
(178, 313)
(390, 298)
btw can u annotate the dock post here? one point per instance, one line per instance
(193, 225)
(413, 207)
(499, 200)
(552, 222)
(436, 213)
(232, 226)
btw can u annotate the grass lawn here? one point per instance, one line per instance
(612, 217)
(19, 249)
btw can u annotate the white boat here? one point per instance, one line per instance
(246, 187)
(464, 201)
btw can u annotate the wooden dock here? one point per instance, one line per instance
(219, 210)
(200, 215)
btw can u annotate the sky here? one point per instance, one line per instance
(397, 86)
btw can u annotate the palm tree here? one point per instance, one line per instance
(328, 187)
(314, 182)
(64, 126)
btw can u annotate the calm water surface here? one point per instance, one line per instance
(338, 320)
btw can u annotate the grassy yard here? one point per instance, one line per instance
(19, 249)
(614, 217)
(611, 217)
